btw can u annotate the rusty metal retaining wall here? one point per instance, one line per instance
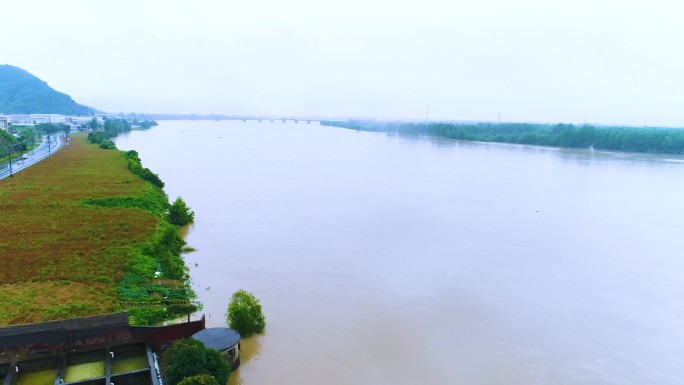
(86, 333)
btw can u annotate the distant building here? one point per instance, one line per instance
(226, 341)
(82, 121)
(21, 119)
(47, 118)
(4, 122)
(109, 116)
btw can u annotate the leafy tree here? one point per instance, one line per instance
(185, 358)
(217, 366)
(189, 358)
(180, 214)
(244, 314)
(200, 379)
(7, 142)
(93, 124)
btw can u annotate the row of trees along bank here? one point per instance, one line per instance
(633, 139)
(111, 128)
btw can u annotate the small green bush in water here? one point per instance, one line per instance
(244, 314)
(180, 214)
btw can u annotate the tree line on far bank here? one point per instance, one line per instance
(633, 139)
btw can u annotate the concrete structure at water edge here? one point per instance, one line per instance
(226, 341)
(100, 350)
(4, 122)
(97, 350)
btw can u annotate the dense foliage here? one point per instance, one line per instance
(244, 314)
(23, 93)
(7, 143)
(199, 379)
(110, 129)
(649, 140)
(179, 213)
(143, 172)
(145, 123)
(189, 357)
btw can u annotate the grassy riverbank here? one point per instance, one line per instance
(80, 234)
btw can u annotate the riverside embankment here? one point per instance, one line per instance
(82, 235)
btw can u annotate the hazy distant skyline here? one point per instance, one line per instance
(607, 62)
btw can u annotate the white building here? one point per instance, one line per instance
(83, 120)
(21, 119)
(4, 122)
(47, 118)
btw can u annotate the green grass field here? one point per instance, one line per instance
(63, 258)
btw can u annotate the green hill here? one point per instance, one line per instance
(23, 93)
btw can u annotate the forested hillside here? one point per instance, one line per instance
(23, 93)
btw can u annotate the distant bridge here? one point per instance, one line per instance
(245, 118)
(273, 119)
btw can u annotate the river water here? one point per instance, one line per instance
(390, 260)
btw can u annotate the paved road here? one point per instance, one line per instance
(34, 156)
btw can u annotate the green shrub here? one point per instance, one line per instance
(135, 165)
(200, 379)
(189, 357)
(107, 144)
(185, 358)
(217, 366)
(244, 314)
(180, 214)
(146, 315)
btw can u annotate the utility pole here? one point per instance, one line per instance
(49, 148)
(9, 152)
(9, 155)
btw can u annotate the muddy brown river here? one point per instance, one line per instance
(389, 260)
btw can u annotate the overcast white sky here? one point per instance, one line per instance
(529, 60)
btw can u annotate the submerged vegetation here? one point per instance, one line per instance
(84, 234)
(180, 214)
(244, 314)
(649, 140)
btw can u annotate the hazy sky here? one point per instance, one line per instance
(529, 60)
